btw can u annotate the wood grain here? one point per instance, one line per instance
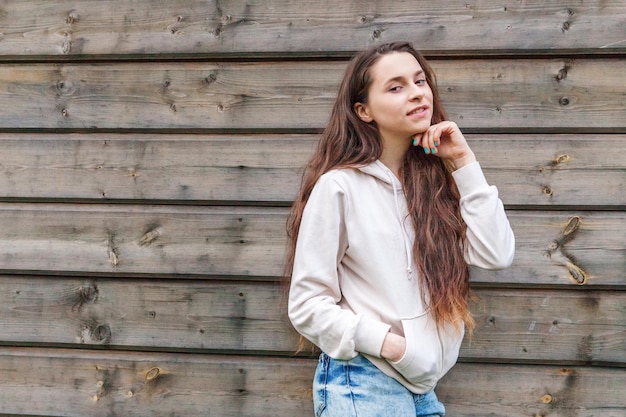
(121, 27)
(538, 326)
(529, 170)
(552, 248)
(149, 151)
(99, 383)
(480, 94)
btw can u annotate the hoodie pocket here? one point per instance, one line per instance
(428, 356)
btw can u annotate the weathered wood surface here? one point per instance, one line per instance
(139, 250)
(480, 94)
(479, 390)
(90, 383)
(553, 247)
(121, 27)
(538, 170)
(513, 325)
(96, 383)
(548, 325)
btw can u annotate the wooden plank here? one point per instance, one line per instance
(552, 170)
(82, 383)
(541, 170)
(553, 248)
(146, 314)
(513, 325)
(122, 27)
(479, 94)
(142, 239)
(478, 390)
(548, 325)
(100, 383)
(579, 248)
(153, 167)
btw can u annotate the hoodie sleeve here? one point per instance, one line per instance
(491, 243)
(315, 288)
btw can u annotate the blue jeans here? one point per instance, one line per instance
(356, 388)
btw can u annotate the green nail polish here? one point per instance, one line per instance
(414, 142)
(436, 143)
(426, 150)
(433, 150)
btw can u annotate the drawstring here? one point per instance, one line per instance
(405, 238)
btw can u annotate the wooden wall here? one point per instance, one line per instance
(149, 151)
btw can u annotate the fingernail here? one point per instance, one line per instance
(436, 143)
(426, 150)
(414, 142)
(433, 150)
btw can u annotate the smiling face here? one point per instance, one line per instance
(399, 100)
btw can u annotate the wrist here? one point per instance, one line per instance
(393, 347)
(461, 161)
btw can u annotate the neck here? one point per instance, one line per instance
(393, 154)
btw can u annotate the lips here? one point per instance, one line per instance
(418, 111)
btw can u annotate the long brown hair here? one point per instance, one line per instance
(430, 191)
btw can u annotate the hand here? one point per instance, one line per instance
(446, 141)
(393, 347)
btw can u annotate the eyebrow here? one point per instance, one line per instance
(400, 77)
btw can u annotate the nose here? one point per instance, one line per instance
(417, 92)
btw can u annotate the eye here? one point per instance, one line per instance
(420, 81)
(395, 88)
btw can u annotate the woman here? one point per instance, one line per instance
(392, 210)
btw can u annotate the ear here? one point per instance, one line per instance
(363, 112)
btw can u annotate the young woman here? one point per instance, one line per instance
(392, 209)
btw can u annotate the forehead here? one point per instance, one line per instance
(394, 65)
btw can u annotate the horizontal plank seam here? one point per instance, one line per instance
(277, 279)
(617, 208)
(291, 355)
(618, 130)
(315, 56)
(147, 202)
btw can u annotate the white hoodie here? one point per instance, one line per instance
(354, 279)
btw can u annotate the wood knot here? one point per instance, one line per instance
(547, 399)
(153, 373)
(547, 190)
(112, 249)
(561, 159)
(211, 78)
(571, 226)
(102, 333)
(72, 17)
(566, 26)
(150, 236)
(577, 274)
(564, 101)
(66, 47)
(377, 34)
(563, 72)
(558, 254)
(96, 334)
(88, 293)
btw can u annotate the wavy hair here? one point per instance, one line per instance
(431, 194)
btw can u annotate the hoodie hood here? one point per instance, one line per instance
(381, 172)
